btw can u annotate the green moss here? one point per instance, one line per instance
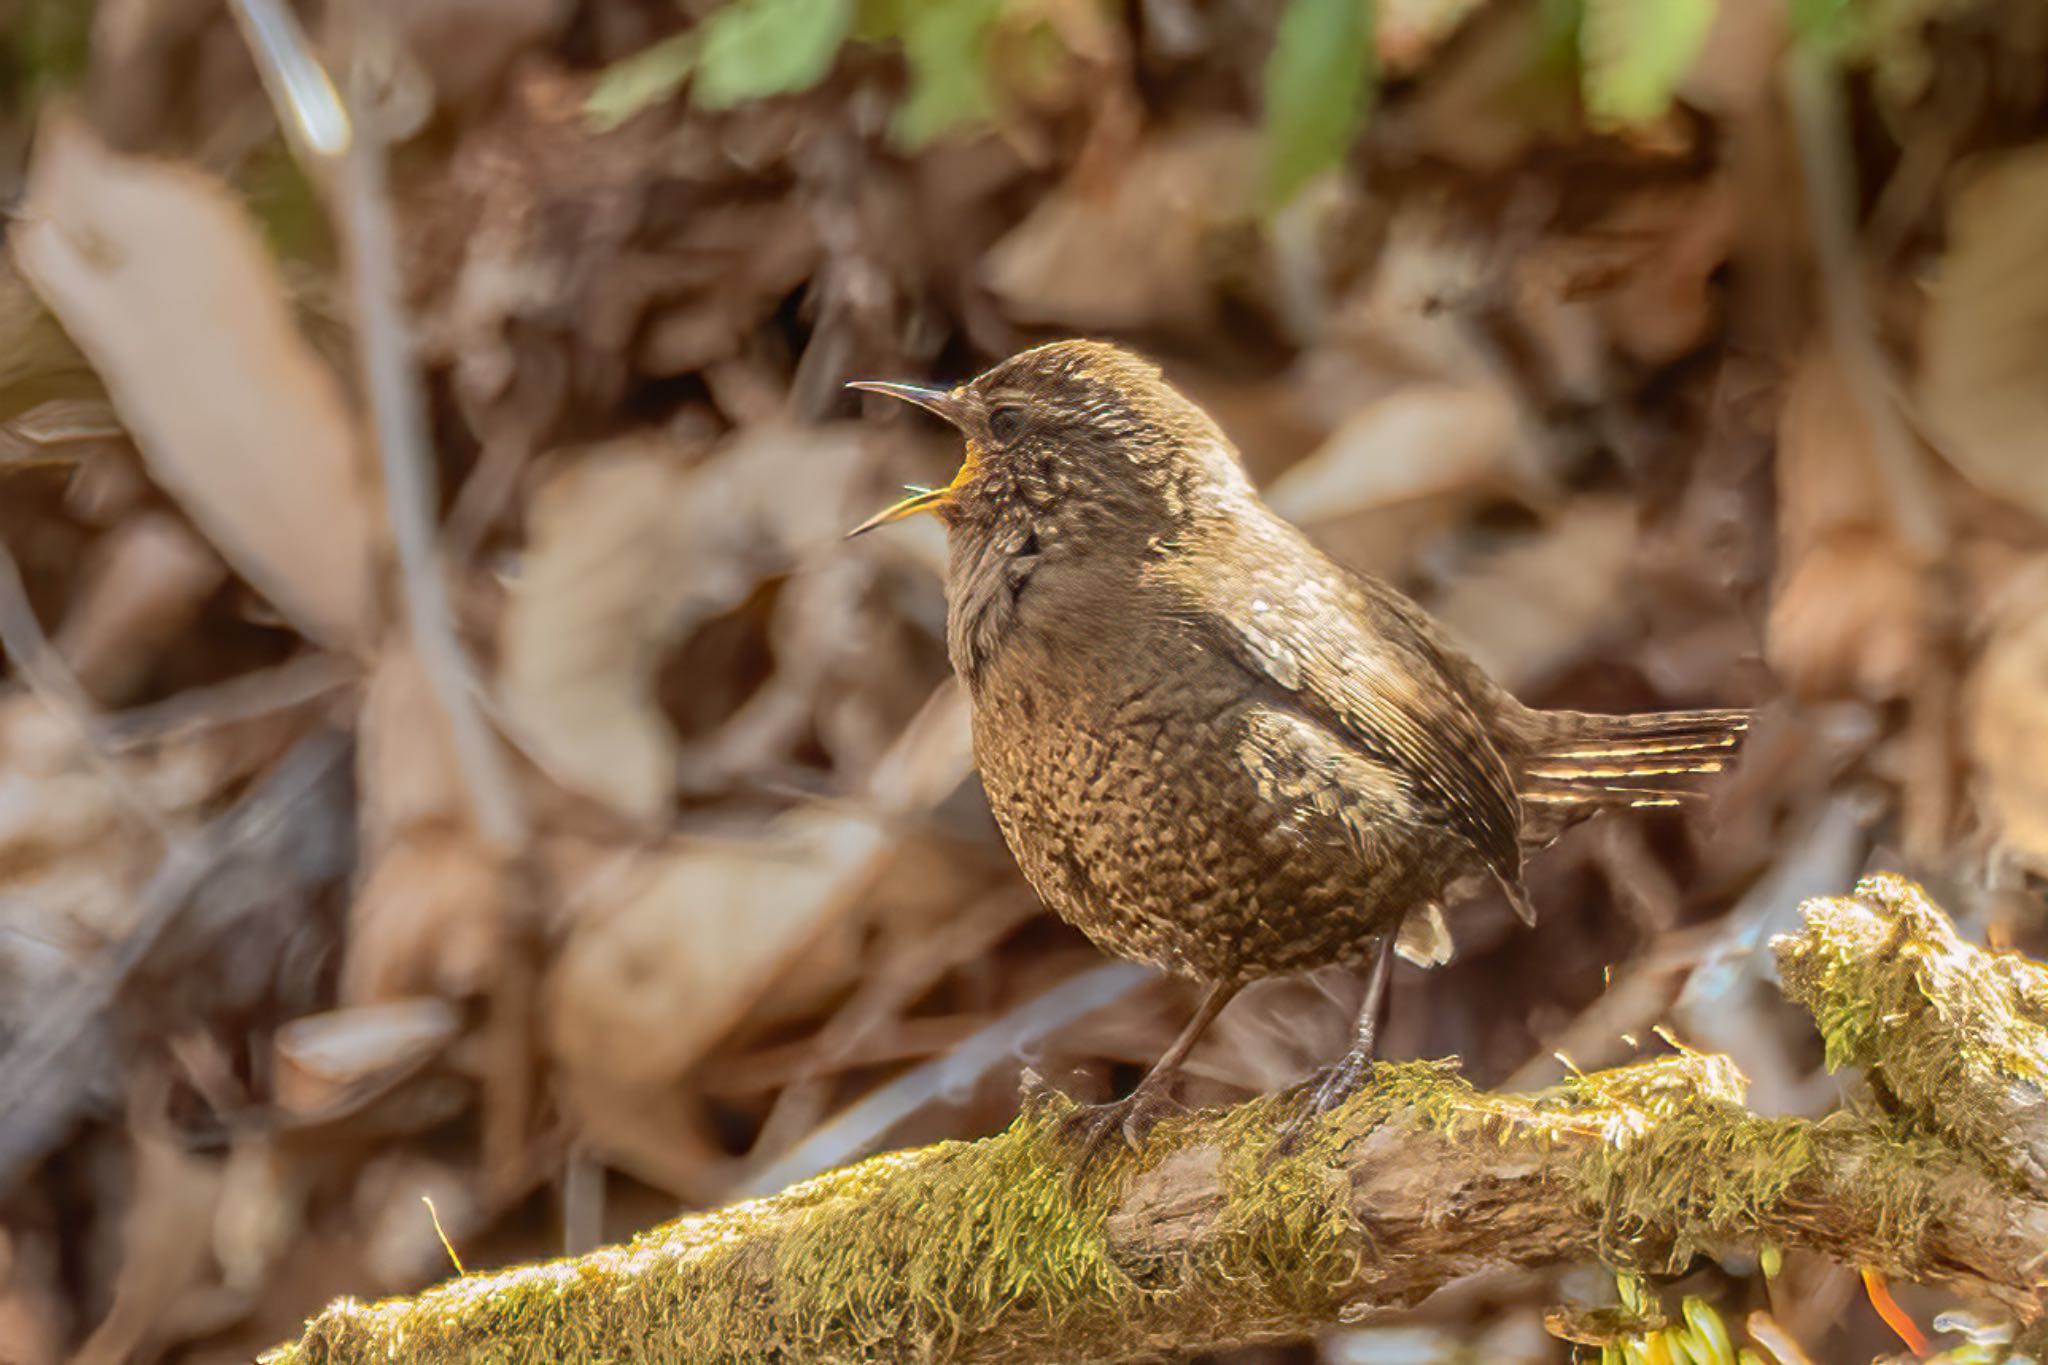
(1953, 1032)
(1707, 1174)
(987, 1240)
(917, 1246)
(1694, 1179)
(973, 1244)
(991, 1248)
(1288, 1222)
(964, 1232)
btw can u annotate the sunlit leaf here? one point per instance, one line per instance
(1635, 52)
(124, 251)
(1318, 81)
(756, 48)
(946, 47)
(643, 80)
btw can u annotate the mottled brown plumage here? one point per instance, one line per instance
(1210, 747)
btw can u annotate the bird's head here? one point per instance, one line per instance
(1075, 437)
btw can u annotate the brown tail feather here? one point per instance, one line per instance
(1586, 762)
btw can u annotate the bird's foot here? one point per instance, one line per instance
(1320, 1093)
(1131, 1119)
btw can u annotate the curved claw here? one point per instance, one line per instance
(1326, 1090)
(1134, 1117)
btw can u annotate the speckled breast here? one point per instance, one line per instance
(1135, 818)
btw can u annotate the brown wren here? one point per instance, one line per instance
(1210, 747)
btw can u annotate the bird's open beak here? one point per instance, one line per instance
(939, 402)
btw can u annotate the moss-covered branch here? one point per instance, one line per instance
(1956, 1035)
(982, 1252)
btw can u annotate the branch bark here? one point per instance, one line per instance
(982, 1251)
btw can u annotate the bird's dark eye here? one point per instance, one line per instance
(1006, 422)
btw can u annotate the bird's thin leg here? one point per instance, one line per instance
(1366, 1035)
(1136, 1113)
(1340, 1082)
(1205, 1014)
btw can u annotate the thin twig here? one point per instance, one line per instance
(297, 681)
(1813, 87)
(52, 680)
(346, 153)
(583, 1200)
(385, 351)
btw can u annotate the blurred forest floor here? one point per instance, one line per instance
(1680, 354)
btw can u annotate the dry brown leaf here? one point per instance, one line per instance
(50, 802)
(33, 1302)
(465, 45)
(428, 919)
(1846, 619)
(261, 1202)
(1984, 385)
(62, 431)
(628, 551)
(675, 945)
(1133, 250)
(1827, 475)
(688, 935)
(107, 485)
(1407, 319)
(1739, 63)
(69, 858)
(531, 242)
(324, 1060)
(1644, 270)
(585, 623)
(37, 361)
(166, 1256)
(163, 280)
(1410, 30)
(930, 759)
(841, 681)
(2008, 722)
(406, 769)
(1420, 441)
(1664, 304)
(1537, 605)
(147, 582)
(1848, 612)
(762, 252)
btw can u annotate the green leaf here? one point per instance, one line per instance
(641, 81)
(1557, 33)
(1831, 23)
(1812, 18)
(945, 44)
(756, 48)
(1635, 52)
(881, 21)
(1319, 79)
